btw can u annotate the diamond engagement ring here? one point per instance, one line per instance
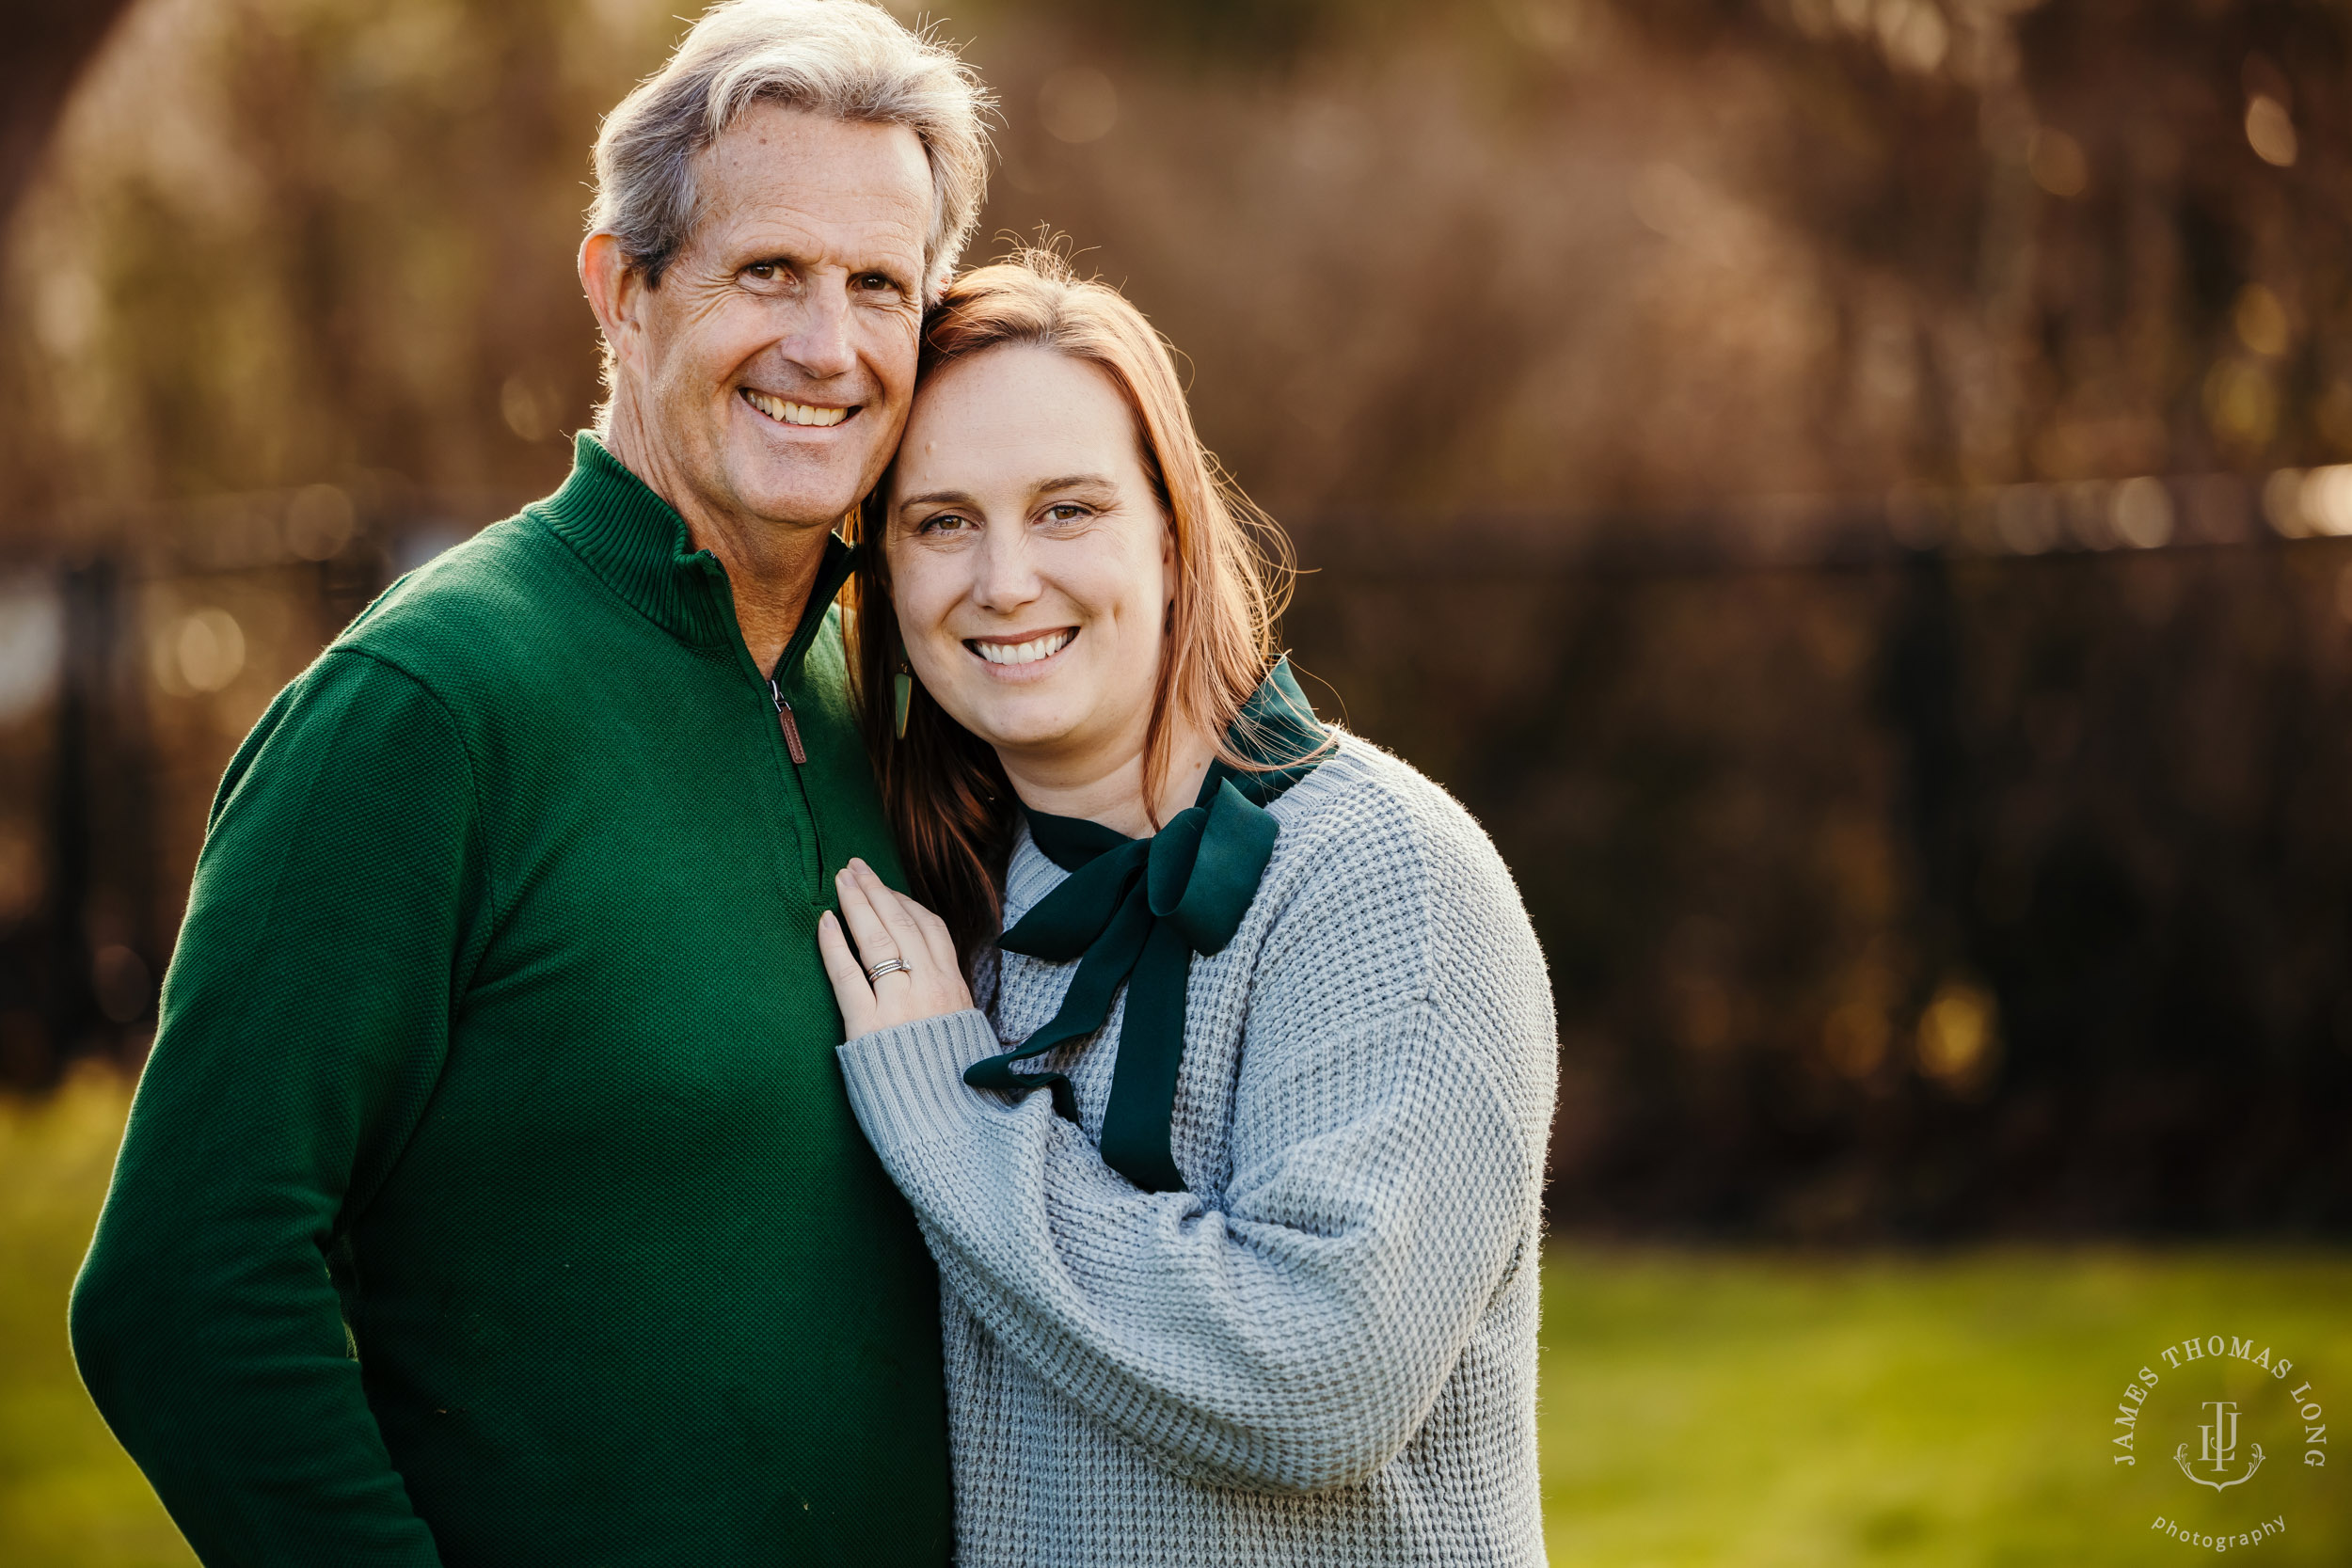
(888, 966)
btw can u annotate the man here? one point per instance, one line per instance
(491, 1196)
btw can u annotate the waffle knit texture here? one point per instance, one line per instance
(490, 1197)
(1324, 1351)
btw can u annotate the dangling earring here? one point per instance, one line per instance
(902, 695)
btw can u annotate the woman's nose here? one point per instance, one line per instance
(1008, 570)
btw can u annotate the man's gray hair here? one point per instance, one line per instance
(847, 59)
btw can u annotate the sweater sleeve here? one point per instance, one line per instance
(1293, 1334)
(337, 900)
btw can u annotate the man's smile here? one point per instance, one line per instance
(782, 411)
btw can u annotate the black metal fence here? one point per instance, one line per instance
(1917, 867)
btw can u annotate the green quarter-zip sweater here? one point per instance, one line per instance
(491, 1196)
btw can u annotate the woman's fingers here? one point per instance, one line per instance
(935, 982)
(924, 943)
(906, 937)
(849, 987)
(873, 939)
(887, 925)
(937, 939)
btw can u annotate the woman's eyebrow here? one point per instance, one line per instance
(935, 497)
(1072, 482)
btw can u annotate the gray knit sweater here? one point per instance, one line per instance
(1325, 1351)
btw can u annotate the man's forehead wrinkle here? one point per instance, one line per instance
(783, 223)
(762, 231)
(848, 202)
(856, 173)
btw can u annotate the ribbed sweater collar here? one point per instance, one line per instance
(637, 544)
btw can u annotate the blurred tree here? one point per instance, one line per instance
(49, 42)
(285, 241)
(1859, 242)
(1493, 256)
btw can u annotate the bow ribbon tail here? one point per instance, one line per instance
(1135, 1122)
(1084, 1007)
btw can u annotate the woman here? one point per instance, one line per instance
(1254, 1280)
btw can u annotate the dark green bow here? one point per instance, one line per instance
(1136, 910)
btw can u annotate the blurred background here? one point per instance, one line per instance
(1855, 494)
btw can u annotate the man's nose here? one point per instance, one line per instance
(818, 346)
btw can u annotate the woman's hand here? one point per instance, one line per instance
(887, 925)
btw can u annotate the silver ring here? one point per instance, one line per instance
(888, 966)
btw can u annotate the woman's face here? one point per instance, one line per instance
(1031, 566)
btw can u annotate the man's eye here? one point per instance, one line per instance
(874, 282)
(764, 272)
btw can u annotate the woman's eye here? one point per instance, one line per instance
(1067, 512)
(945, 522)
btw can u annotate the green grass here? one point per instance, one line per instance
(69, 1497)
(1730, 1410)
(1709, 1408)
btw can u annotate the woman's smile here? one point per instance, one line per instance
(1022, 656)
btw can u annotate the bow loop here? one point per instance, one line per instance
(1223, 856)
(1066, 921)
(1168, 870)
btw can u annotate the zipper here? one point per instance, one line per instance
(831, 575)
(791, 725)
(799, 752)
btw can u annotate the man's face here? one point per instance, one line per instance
(773, 365)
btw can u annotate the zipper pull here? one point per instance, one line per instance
(791, 726)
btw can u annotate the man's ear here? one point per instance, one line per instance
(616, 290)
